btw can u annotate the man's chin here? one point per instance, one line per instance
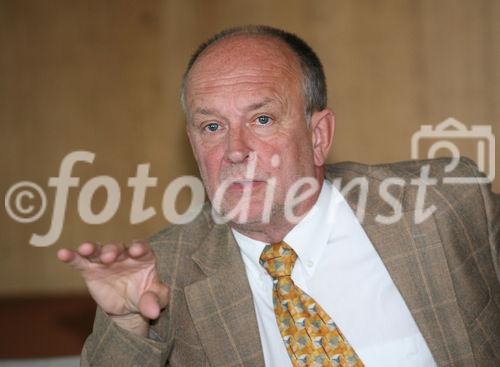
(249, 225)
(242, 215)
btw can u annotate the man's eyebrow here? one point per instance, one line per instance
(257, 105)
(204, 111)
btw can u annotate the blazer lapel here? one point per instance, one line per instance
(414, 257)
(221, 305)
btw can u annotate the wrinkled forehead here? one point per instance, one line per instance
(244, 49)
(245, 58)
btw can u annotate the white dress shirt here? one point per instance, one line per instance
(338, 266)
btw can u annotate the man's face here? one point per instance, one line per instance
(247, 124)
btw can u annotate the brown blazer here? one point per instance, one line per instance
(446, 268)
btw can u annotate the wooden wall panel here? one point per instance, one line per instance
(103, 76)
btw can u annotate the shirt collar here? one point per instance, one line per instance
(308, 238)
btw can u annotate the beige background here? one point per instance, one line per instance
(103, 76)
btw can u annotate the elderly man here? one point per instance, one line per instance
(292, 277)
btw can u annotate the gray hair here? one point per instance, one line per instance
(313, 81)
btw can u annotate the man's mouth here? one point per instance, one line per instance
(241, 185)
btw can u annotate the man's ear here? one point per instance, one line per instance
(322, 131)
(188, 133)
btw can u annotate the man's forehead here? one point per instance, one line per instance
(247, 72)
(245, 53)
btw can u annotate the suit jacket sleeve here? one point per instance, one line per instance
(110, 345)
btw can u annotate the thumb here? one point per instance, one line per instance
(153, 301)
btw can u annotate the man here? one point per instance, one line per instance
(386, 288)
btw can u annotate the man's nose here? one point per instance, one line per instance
(237, 145)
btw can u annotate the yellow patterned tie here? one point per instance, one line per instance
(310, 335)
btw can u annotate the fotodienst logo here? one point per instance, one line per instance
(26, 201)
(453, 136)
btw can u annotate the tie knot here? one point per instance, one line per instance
(278, 259)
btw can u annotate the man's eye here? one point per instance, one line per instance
(263, 120)
(212, 127)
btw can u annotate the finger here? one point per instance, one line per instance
(140, 249)
(72, 258)
(89, 250)
(150, 305)
(162, 293)
(65, 255)
(111, 252)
